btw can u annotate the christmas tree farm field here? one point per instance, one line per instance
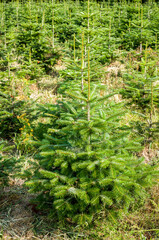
(79, 120)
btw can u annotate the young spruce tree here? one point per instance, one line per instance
(86, 161)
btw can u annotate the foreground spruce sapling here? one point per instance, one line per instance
(86, 162)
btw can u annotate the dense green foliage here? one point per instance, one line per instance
(7, 163)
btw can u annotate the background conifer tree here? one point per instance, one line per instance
(141, 91)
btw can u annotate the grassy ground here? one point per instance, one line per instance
(19, 219)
